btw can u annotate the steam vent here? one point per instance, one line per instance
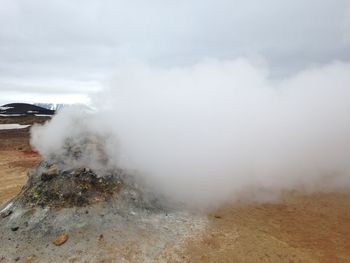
(80, 215)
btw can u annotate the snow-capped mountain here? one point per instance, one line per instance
(50, 106)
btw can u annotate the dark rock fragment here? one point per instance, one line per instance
(6, 213)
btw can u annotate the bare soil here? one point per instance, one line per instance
(300, 227)
(14, 166)
(16, 155)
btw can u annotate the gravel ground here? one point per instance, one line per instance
(111, 231)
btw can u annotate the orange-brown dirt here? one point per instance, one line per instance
(16, 155)
(14, 166)
(298, 228)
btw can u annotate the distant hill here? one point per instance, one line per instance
(24, 109)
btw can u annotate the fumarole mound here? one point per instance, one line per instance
(85, 215)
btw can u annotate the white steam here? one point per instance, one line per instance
(218, 130)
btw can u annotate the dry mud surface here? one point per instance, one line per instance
(300, 227)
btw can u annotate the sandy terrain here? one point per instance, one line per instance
(14, 166)
(299, 228)
(16, 156)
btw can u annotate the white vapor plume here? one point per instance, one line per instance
(218, 130)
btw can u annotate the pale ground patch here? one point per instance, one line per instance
(12, 126)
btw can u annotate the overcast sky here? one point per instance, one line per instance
(63, 51)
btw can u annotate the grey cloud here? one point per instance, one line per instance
(85, 40)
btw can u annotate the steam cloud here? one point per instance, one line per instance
(216, 131)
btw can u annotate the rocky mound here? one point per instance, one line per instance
(79, 215)
(67, 212)
(49, 186)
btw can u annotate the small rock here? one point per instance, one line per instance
(15, 228)
(17, 258)
(50, 173)
(6, 213)
(100, 237)
(53, 169)
(61, 239)
(217, 216)
(29, 259)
